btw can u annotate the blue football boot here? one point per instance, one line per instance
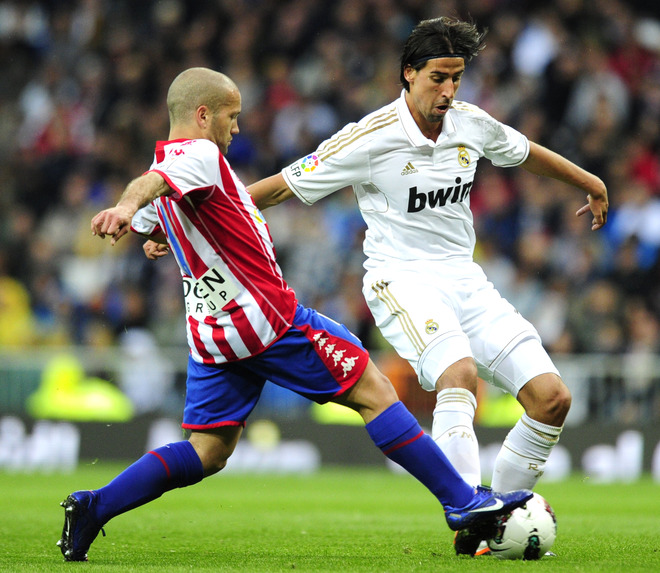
(80, 527)
(484, 507)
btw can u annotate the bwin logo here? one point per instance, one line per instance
(418, 201)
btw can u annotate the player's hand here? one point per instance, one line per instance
(154, 250)
(115, 222)
(598, 205)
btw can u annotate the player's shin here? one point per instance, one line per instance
(158, 471)
(453, 431)
(399, 436)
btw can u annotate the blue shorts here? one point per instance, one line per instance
(317, 358)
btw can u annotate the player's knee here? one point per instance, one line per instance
(372, 394)
(213, 461)
(378, 388)
(214, 448)
(213, 466)
(557, 400)
(560, 401)
(386, 390)
(461, 374)
(546, 399)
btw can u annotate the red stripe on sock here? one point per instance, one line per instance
(209, 426)
(162, 461)
(410, 441)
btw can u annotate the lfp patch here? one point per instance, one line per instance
(310, 163)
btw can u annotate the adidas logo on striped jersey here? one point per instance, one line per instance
(409, 169)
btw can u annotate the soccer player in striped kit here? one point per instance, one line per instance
(411, 165)
(244, 327)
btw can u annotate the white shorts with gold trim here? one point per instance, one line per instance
(440, 314)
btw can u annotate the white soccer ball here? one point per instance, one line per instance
(525, 533)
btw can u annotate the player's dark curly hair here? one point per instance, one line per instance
(440, 36)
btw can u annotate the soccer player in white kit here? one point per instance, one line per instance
(412, 165)
(245, 327)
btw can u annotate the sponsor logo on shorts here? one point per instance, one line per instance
(337, 356)
(347, 364)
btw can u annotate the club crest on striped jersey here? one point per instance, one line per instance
(463, 156)
(258, 216)
(310, 163)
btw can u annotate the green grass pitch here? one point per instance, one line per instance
(346, 520)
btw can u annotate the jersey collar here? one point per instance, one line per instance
(163, 143)
(412, 131)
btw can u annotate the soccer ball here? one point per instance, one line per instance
(525, 533)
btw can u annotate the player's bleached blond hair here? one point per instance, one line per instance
(195, 87)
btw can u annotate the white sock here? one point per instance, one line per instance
(453, 431)
(526, 449)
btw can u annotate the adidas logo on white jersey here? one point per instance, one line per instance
(409, 169)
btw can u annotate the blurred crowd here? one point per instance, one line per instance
(82, 101)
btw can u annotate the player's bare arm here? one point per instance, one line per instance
(116, 221)
(270, 191)
(543, 161)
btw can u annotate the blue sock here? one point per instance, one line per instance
(397, 433)
(160, 470)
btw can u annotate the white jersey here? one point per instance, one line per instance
(237, 302)
(414, 193)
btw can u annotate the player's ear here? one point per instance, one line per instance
(409, 72)
(202, 116)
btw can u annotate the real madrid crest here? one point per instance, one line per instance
(463, 156)
(431, 326)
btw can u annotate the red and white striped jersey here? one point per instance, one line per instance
(237, 302)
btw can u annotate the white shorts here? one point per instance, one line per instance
(438, 316)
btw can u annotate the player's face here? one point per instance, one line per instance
(224, 124)
(432, 90)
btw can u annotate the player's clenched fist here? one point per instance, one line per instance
(115, 222)
(154, 250)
